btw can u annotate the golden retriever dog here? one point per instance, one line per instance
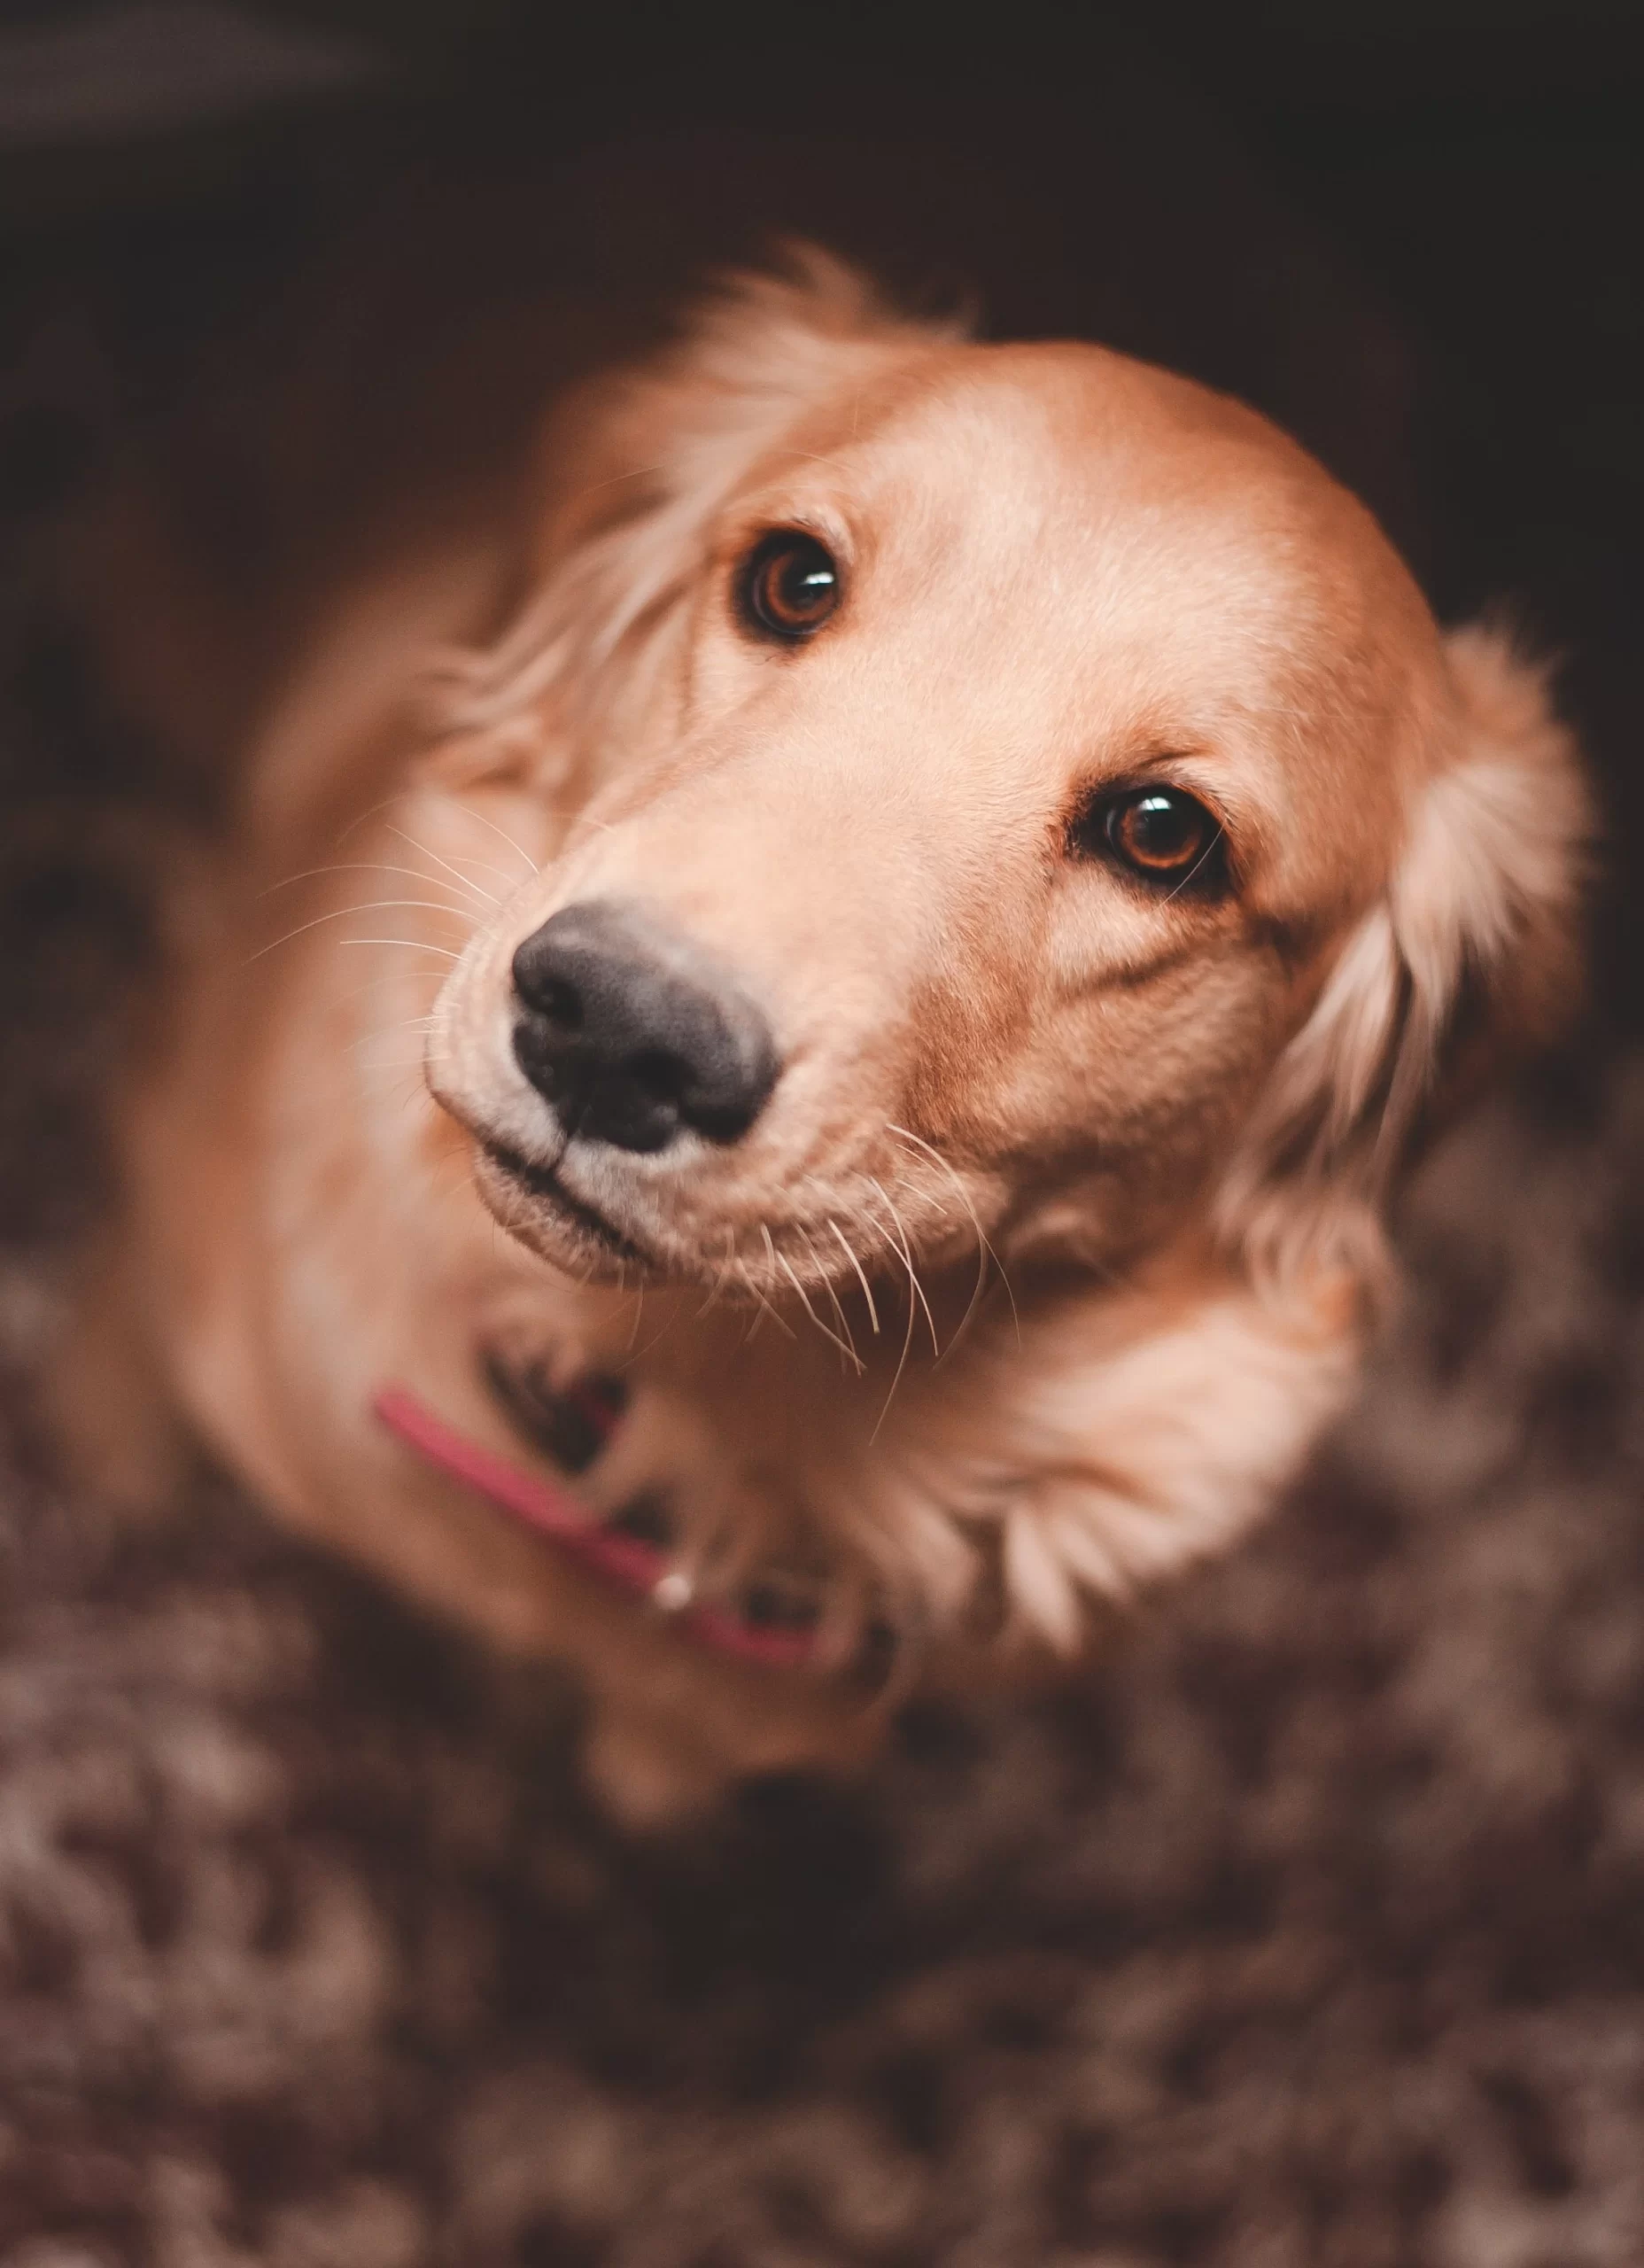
(791, 1089)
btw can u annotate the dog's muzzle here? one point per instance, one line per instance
(634, 1036)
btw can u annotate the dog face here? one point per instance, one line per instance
(1008, 740)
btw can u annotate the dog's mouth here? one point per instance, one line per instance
(543, 1182)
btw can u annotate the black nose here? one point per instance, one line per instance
(632, 1036)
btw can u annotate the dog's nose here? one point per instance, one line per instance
(632, 1036)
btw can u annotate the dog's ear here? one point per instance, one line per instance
(1472, 951)
(636, 465)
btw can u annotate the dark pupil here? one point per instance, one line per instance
(802, 584)
(790, 585)
(1163, 830)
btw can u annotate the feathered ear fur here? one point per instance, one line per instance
(1473, 950)
(641, 465)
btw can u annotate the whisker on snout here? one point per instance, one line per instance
(903, 1247)
(867, 1289)
(370, 906)
(779, 1260)
(405, 944)
(985, 1253)
(489, 896)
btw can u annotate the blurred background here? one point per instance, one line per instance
(1308, 1928)
(1411, 232)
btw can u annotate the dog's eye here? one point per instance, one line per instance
(1162, 833)
(788, 585)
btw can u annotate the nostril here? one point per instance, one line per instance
(545, 988)
(661, 1078)
(560, 1003)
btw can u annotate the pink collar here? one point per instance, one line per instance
(623, 1561)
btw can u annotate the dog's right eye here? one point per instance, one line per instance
(1158, 833)
(788, 585)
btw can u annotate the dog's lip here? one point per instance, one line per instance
(544, 1182)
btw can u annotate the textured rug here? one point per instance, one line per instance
(1307, 1932)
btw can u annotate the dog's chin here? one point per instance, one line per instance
(535, 1206)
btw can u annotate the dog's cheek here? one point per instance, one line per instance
(1157, 1067)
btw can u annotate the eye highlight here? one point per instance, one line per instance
(788, 585)
(1159, 833)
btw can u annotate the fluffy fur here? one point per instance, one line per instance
(1055, 1245)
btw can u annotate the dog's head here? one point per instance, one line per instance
(1010, 794)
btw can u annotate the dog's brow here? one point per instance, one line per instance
(615, 479)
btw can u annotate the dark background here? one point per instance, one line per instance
(1410, 230)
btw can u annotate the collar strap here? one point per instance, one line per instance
(624, 1562)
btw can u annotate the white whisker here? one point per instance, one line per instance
(408, 944)
(984, 1250)
(489, 896)
(360, 867)
(370, 811)
(826, 1282)
(861, 1275)
(849, 1353)
(907, 1336)
(902, 1365)
(469, 812)
(722, 1279)
(342, 912)
(907, 1259)
(1196, 864)
(766, 1308)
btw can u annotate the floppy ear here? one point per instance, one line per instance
(637, 465)
(1472, 951)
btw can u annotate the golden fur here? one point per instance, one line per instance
(1118, 1157)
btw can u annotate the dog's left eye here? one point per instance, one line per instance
(1161, 834)
(788, 585)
